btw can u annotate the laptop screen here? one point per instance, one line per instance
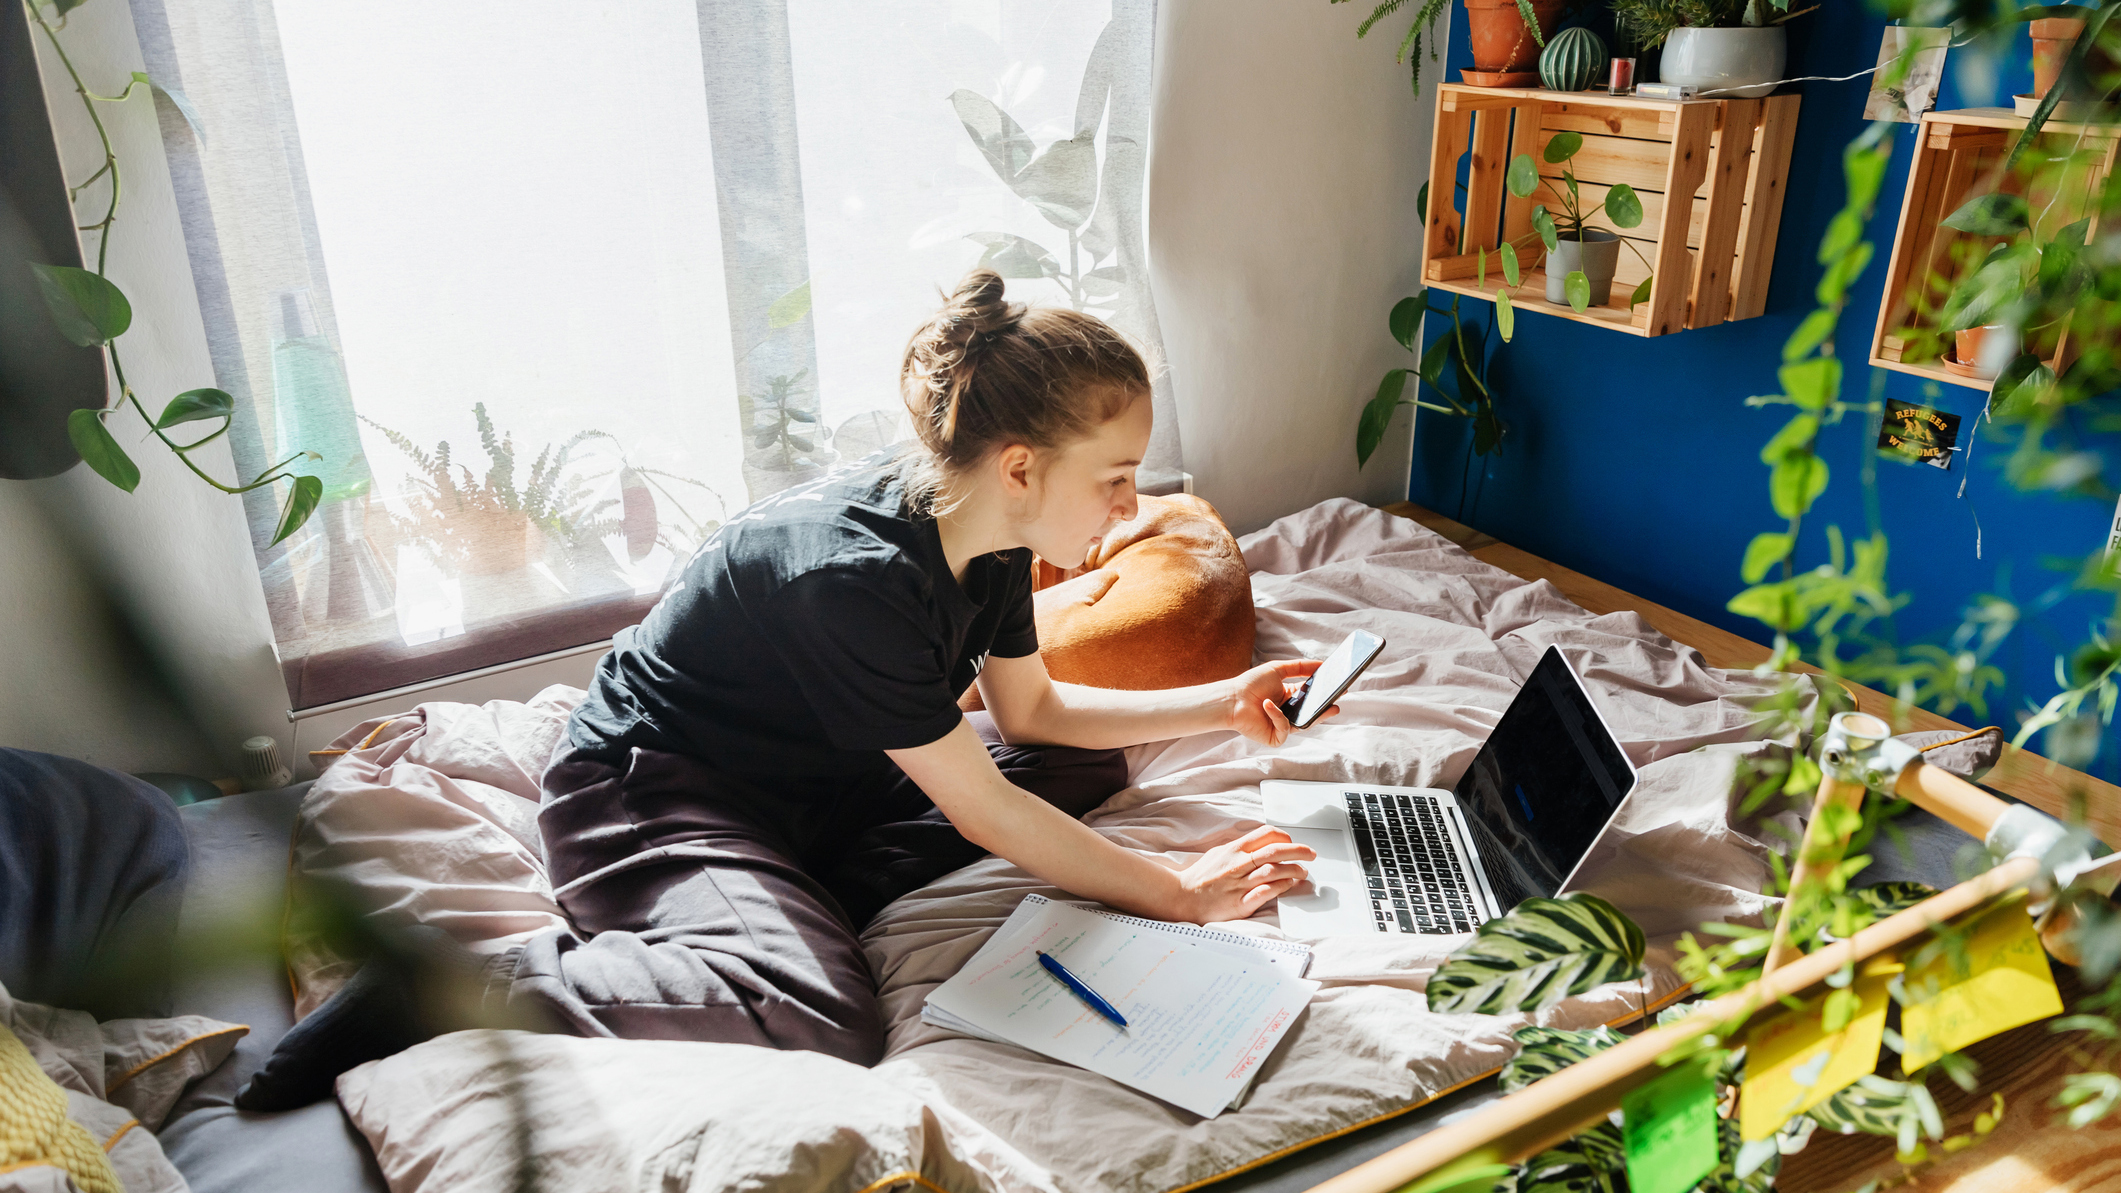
(1542, 788)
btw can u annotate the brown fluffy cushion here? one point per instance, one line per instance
(1164, 602)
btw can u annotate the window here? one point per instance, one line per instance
(554, 287)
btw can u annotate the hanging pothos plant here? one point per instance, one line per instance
(91, 311)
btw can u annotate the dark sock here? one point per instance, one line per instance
(373, 1016)
(392, 1003)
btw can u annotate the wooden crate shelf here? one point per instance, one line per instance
(1957, 155)
(1713, 252)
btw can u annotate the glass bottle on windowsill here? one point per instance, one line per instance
(339, 577)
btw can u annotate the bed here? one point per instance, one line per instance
(1368, 1068)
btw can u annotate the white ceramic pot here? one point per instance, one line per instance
(1732, 63)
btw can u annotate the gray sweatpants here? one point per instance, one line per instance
(707, 909)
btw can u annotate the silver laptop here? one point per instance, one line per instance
(1422, 860)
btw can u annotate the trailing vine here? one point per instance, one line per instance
(92, 312)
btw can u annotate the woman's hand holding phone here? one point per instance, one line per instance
(1255, 705)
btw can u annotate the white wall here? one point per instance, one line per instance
(72, 678)
(1285, 161)
(174, 554)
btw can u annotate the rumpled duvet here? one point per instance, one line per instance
(429, 810)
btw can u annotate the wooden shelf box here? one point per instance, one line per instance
(1956, 156)
(1712, 254)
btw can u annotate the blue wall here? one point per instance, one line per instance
(1636, 460)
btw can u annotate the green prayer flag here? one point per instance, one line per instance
(1669, 1130)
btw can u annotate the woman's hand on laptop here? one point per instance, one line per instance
(1255, 703)
(1235, 879)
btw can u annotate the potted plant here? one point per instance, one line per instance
(1728, 48)
(1580, 259)
(2053, 38)
(1507, 36)
(1995, 313)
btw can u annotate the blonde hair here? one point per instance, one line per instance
(985, 373)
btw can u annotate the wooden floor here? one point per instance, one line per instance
(2033, 1148)
(2051, 788)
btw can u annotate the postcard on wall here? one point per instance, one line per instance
(1917, 93)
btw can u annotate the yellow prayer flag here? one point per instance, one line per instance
(1792, 1063)
(2006, 983)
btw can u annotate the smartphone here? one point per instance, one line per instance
(1323, 686)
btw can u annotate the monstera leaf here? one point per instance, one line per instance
(1537, 955)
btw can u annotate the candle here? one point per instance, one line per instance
(1622, 80)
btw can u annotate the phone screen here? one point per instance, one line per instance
(1333, 677)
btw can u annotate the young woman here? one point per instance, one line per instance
(776, 751)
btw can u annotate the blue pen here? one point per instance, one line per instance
(1081, 991)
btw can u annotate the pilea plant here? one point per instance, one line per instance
(91, 311)
(1467, 356)
(1621, 205)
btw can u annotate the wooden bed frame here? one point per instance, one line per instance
(2033, 1148)
(2021, 774)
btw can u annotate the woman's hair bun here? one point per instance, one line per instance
(985, 371)
(975, 311)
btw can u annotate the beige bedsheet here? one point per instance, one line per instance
(1461, 636)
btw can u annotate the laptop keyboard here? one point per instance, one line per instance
(1416, 883)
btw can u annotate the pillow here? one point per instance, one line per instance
(1163, 602)
(83, 1099)
(452, 1113)
(37, 1132)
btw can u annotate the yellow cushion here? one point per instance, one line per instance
(35, 1129)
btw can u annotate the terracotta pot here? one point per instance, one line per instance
(1967, 350)
(2052, 39)
(1501, 43)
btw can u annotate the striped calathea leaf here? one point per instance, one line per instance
(1540, 953)
(1589, 1163)
(1544, 1051)
(1577, 1165)
(1874, 1106)
(1887, 898)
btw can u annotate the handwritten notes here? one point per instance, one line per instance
(1792, 1063)
(1201, 1015)
(2005, 982)
(1668, 1128)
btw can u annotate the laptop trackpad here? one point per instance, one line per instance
(1337, 899)
(1332, 845)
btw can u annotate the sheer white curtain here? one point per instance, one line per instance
(555, 287)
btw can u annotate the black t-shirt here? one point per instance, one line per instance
(818, 628)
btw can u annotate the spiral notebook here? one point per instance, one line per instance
(1204, 1007)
